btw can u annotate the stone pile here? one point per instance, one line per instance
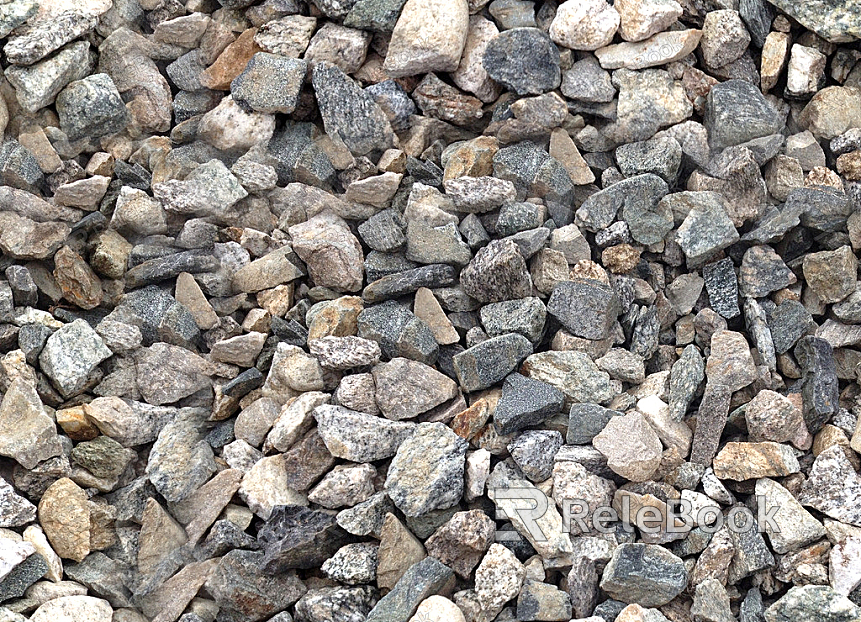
(430, 311)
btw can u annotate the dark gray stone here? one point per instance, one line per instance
(722, 287)
(534, 173)
(788, 322)
(399, 332)
(525, 402)
(497, 272)
(585, 307)
(297, 537)
(646, 574)
(269, 83)
(350, 112)
(375, 15)
(384, 231)
(736, 112)
(837, 21)
(336, 604)
(395, 102)
(407, 281)
(298, 157)
(585, 421)
(820, 386)
(524, 60)
(423, 579)
(534, 451)
(19, 168)
(91, 108)
(821, 208)
(22, 576)
(488, 362)
(757, 16)
(525, 316)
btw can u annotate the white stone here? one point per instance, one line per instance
(663, 48)
(584, 24)
(265, 486)
(74, 609)
(640, 19)
(470, 74)
(438, 609)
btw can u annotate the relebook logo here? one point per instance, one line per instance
(529, 506)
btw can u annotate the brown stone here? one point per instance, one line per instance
(741, 461)
(160, 535)
(462, 541)
(337, 319)
(231, 62)
(79, 283)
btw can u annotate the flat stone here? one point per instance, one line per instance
(28, 434)
(741, 461)
(660, 49)
(168, 373)
(573, 373)
(833, 21)
(180, 460)
(753, 116)
(75, 608)
(819, 381)
(47, 35)
(38, 85)
(209, 189)
(796, 527)
(358, 436)
(706, 229)
(22, 238)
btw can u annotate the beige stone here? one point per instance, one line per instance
(65, 517)
(399, 549)
(189, 294)
(562, 148)
(428, 309)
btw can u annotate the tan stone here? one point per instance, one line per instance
(65, 517)
(741, 461)
(473, 158)
(160, 535)
(75, 424)
(189, 294)
(775, 52)
(849, 165)
(399, 549)
(428, 309)
(79, 283)
(35, 536)
(337, 319)
(562, 148)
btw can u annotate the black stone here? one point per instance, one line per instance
(296, 537)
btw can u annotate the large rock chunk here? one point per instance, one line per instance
(796, 527)
(525, 402)
(488, 362)
(427, 472)
(834, 20)
(584, 25)
(296, 537)
(585, 307)
(91, 107)
(242, 592)
(813, 602)
(399, 332)
(632, 447)
(524, 60)
(71, 355)
(736, 112)
(65, 517)
(27, 433)
(75, 608)
(168, 373)
(333, 254)
(208, 190)
(358, 436)
(423, 579)
(833, 487)
(180, 461)
(428, 36)
(406, 389)
(497, 272)
(644, 573)
(349, 112)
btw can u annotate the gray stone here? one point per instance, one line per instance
(534, 451)
(585, 421)
(403, 278)
(833, 487)
(374, 15)
(423, 579)
(269, 83)
(427, 471)
(722, 287)
(525, 402)
(91, 107)
(242, 592)
(585, 307)
(208, 190)
(342, 603)
(37, 86)
(180, 460)
(587, 81)
(706, 229)
(27, 433)
(15, 13)
(497, 272)
(349, 112)
(660, 155)
(358, 436)
(525, 316)
(71, 355)
(296, 537)
(406, 389)
(46, 35)
(644, 573)
(736, 112)
(488, 362)
(399, 332)
(813, 602)
(524, 60)
(820, 386)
